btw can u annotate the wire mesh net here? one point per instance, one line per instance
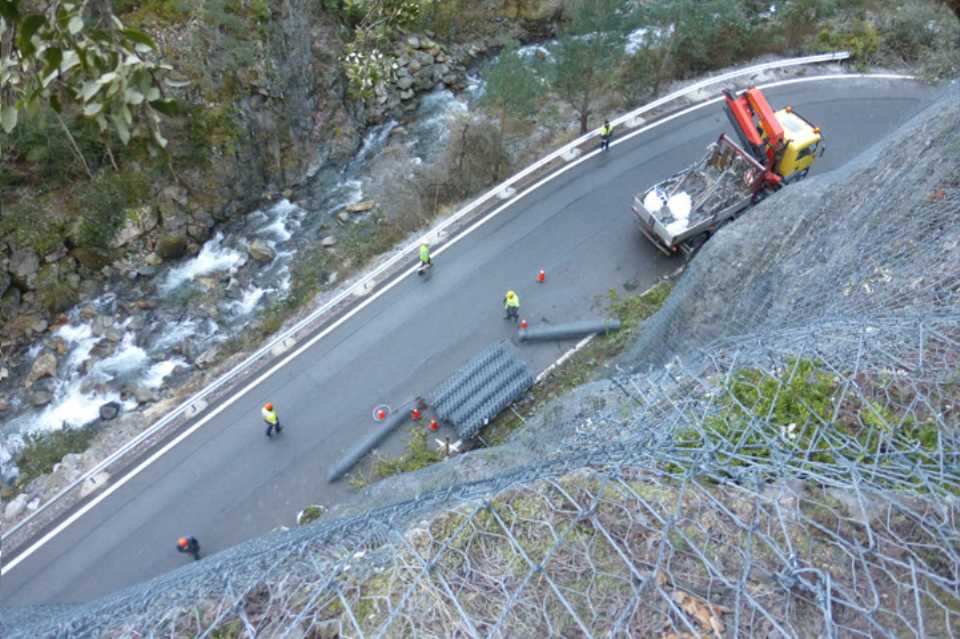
(801, 480)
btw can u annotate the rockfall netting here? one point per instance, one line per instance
(797, 476)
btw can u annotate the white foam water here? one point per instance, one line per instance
(155, 375)
(213, 257)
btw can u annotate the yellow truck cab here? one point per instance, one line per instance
(801, 142)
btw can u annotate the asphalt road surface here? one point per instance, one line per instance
(227, 482)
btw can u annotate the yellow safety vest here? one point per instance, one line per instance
(269, 416)
(606, 131)
(512, 302)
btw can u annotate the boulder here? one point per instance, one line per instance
(172, 246)
(15, 507)
(175, 193)
(413, 42)
(407, 95)
(40, 398)
(343, 217)
(44, 366)
(10, 303)
(153, 260)
(328, 242)
(89, 258)
(109, 411)
(55, 255)
(146, 270)
(198, 232)
(39, 325)
(4, 373)
(261, 251)
(360, 207)
(414, 66)
(138, 221)
(207, 358)
(24, 265)
(404, 82)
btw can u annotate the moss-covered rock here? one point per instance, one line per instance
(90, 258)
(172, 246)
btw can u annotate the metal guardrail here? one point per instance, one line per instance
(360, 288)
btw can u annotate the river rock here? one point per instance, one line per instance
(39, 325)
(24, 264)
(100, 324)
(405, 82)
(343, 217)
(414, 66)
(138, 221)
(39, 397)
(4, 405)
(146, 270)
(172, 246)
(413, 42)
(44, 366)
(15, 507)
(73, 280)
(59, 345)
(328, 242)
(4, 373)
(261, 251)
(207, 358)
(153, 260)
(109, 411)
(145, 304)
(407, 95)
(360, 207)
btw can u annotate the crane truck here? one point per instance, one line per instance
(778, 148)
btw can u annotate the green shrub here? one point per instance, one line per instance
(419, 455)
(100, 204)
(799, 408)
(43, 451)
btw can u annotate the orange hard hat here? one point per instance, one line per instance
(182, 542)
(268, 406)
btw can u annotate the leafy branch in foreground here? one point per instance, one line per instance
(78, 58)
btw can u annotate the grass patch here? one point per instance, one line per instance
(43, 452)
(631, 310)
(418, 455)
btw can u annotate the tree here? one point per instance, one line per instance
(588, 53)
(641, 75)
(512, 90)
(512, 87)
(79, 57)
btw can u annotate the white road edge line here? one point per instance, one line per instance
(316, 338)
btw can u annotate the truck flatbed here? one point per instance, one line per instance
(695, 201)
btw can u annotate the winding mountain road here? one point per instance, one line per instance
(226, 482)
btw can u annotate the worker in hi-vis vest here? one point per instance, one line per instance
(606, 132)
(425, 261)
(511, 304)
(270, 416)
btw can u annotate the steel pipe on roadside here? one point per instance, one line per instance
(569, 331)
(390, 424)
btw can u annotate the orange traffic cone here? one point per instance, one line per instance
(381, 414)
(541, 276)
(415, 414)
(523, 324)
(434, 424)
